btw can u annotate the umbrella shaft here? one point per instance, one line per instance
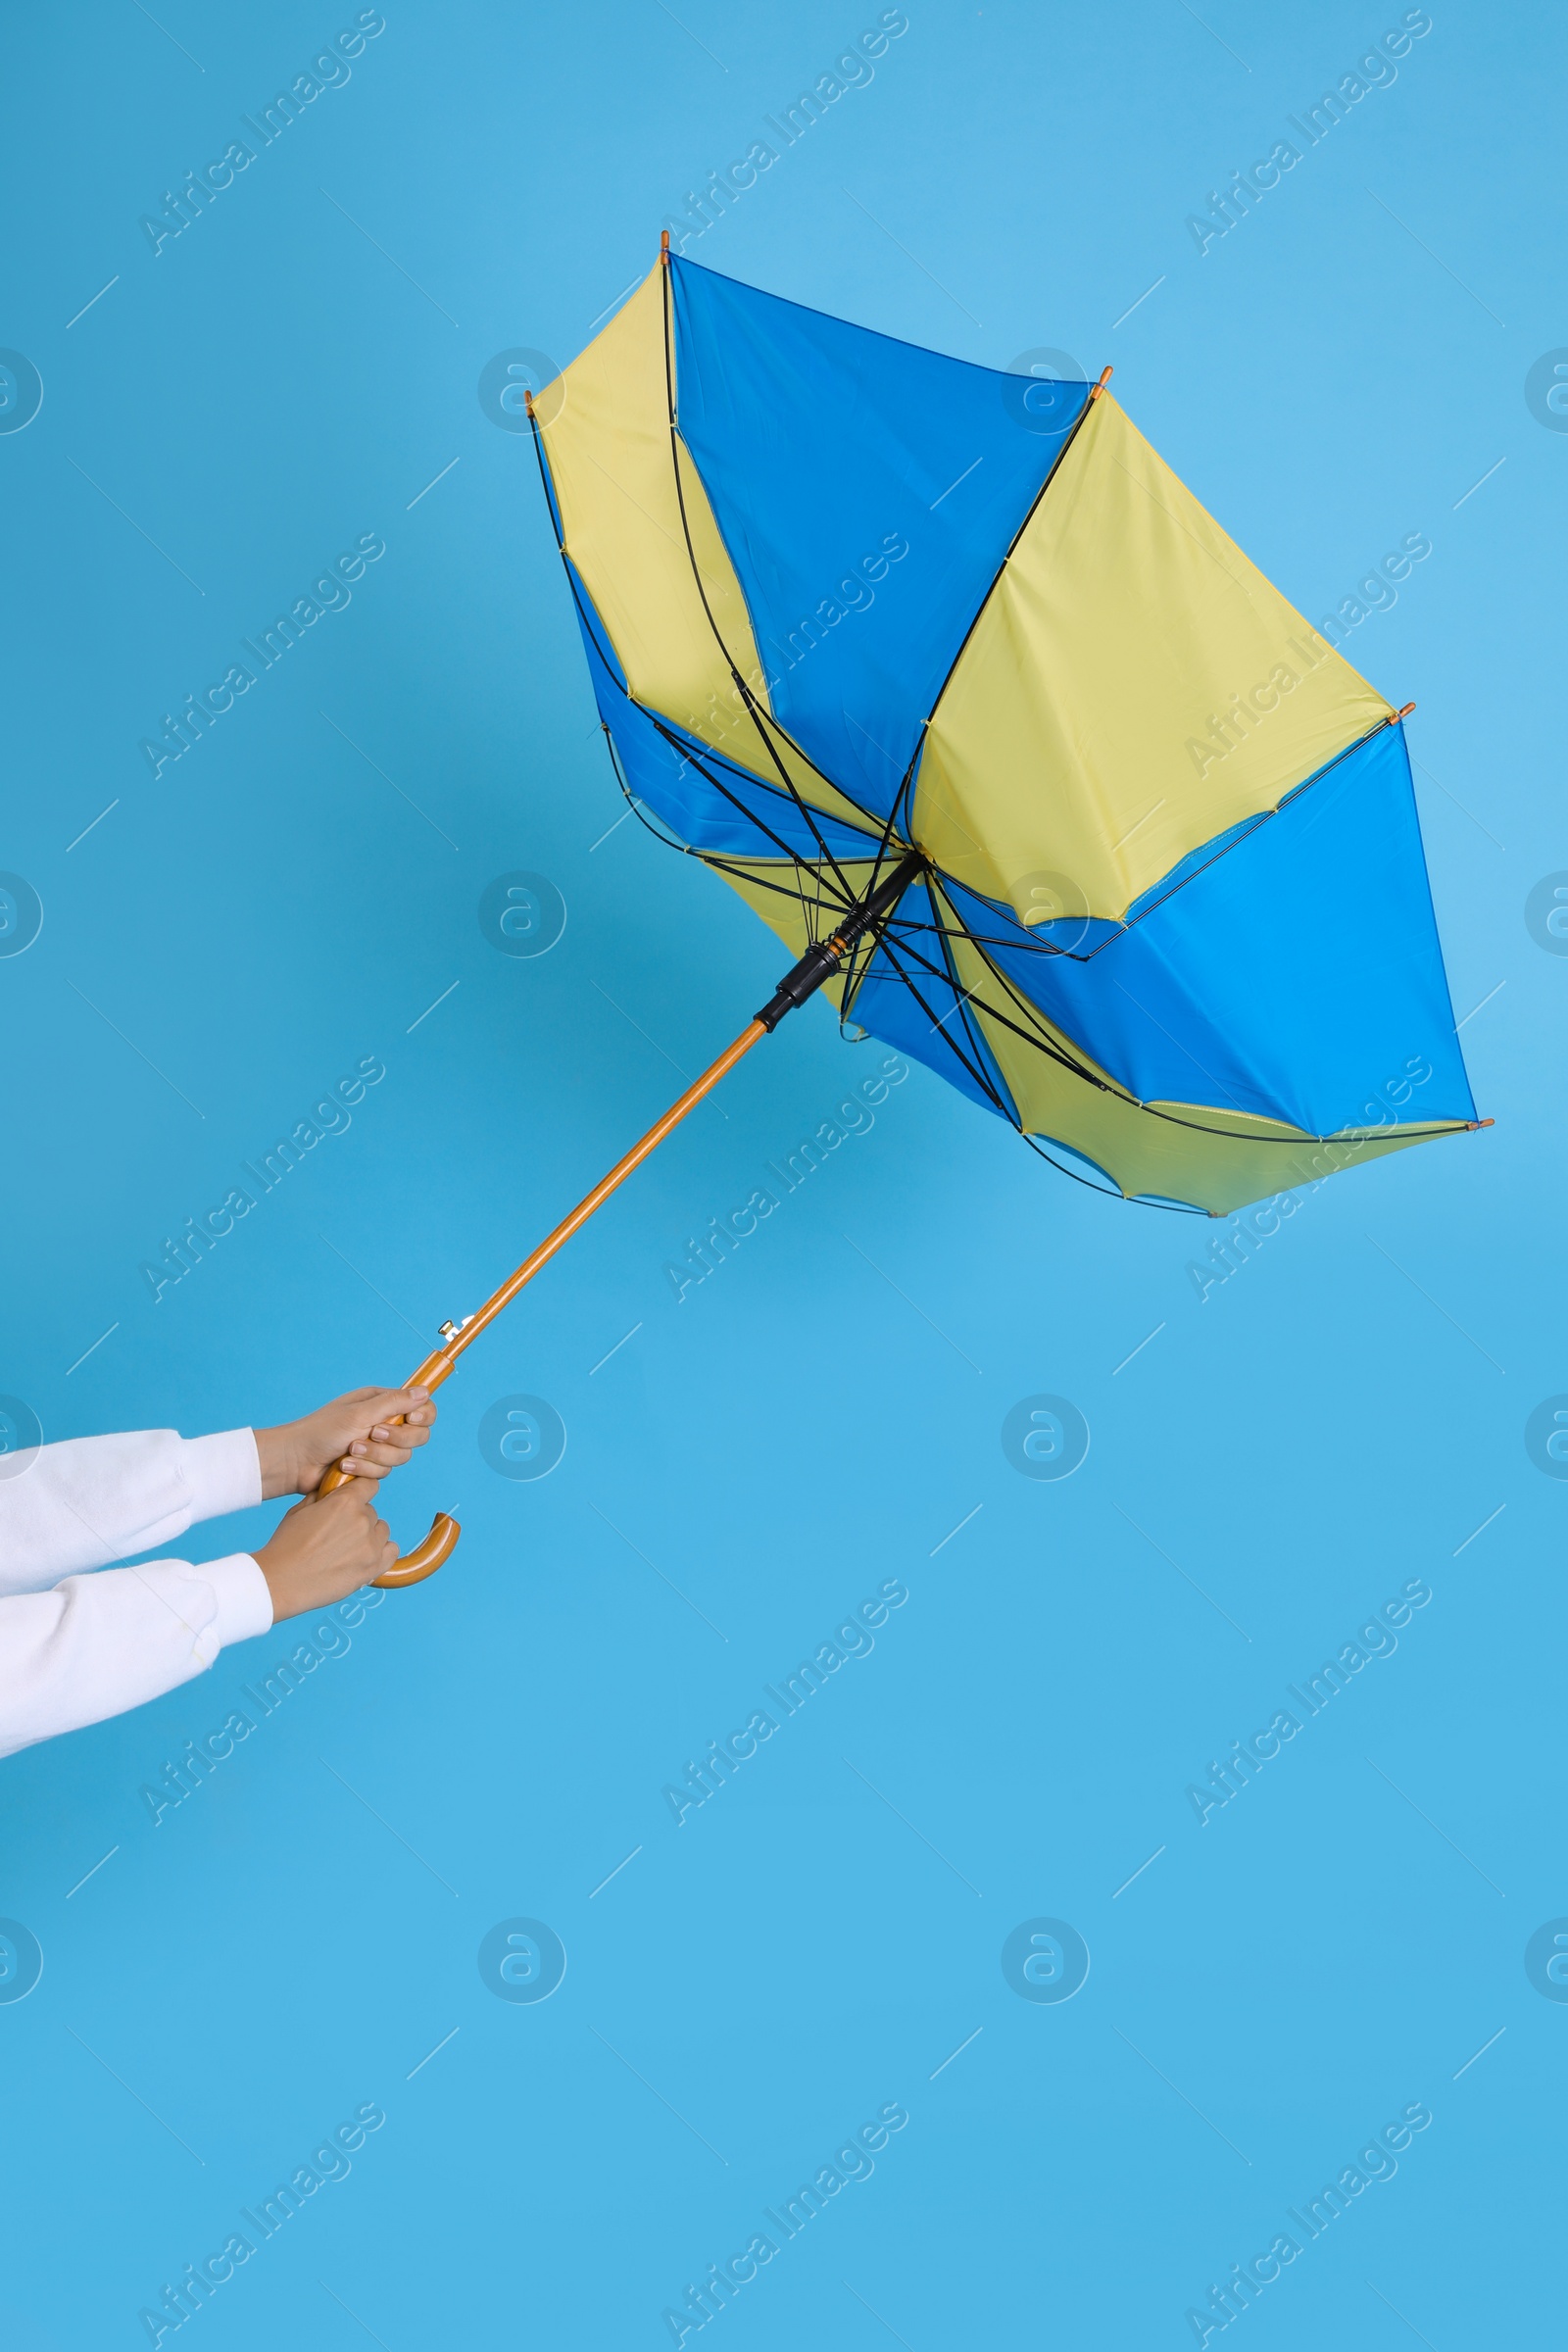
(818, 964)
(436, 1367)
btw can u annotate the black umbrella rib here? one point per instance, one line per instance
(694, 759)
(1052, 1051)
(736, 801)
(1048, 1047)
(980, 1076)
(552, 509)
(1223, 1135)
(740, 686)
(1106, 1191)
(1174, 1209)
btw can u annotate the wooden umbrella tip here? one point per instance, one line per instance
(664, 247)
(1105, 378)
(1405, 713)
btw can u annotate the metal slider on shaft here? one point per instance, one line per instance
(801, 982)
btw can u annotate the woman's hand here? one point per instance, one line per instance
(326, 1548)
(355, 1433)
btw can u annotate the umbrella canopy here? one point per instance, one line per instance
(853, 608)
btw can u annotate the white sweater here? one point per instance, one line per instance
(74, 1648)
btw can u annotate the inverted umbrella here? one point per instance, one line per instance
(1037, 775)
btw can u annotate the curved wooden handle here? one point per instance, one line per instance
(413, 1567)
(425, 1558)
(438, 1545)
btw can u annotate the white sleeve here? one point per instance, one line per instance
(98, 1644)
(90, 1500)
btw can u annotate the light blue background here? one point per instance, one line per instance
(1336, 1419)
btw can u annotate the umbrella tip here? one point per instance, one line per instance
(1476, 1124)
(1105, 378)
(1405, 713)
(664, 247)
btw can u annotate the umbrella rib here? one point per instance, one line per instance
(978, 1073)
(1080, 1069)
(711, 857)
(1108, 1192)
(962, 998)
(588, 625)
(740, 686)
(737, 803)
(1226, 1135)
(693, 760)
(1046, 1045)
(1119, 1094)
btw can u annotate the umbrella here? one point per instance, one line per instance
(1038, 777)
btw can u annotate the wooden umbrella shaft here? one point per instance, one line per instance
(438, 1545)
(820, 962)
(436, 1367)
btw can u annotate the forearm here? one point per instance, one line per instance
(89, 1500)
(97, 1646)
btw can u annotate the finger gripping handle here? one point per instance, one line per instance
(413, 1567)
